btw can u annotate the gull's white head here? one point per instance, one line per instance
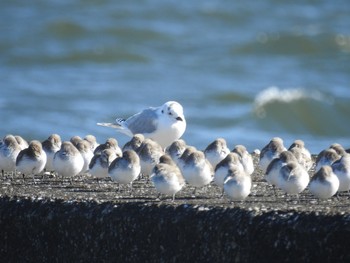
(174, 111)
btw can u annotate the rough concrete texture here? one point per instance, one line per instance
(83, 221)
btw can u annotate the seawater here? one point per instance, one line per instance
(243, 71)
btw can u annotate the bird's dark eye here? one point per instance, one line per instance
(162, 111)
(170, 113)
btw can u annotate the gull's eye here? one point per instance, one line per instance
(170, 113)
(162, 111)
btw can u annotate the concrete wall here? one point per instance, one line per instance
(54, 230)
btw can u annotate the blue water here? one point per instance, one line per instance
(243, 71)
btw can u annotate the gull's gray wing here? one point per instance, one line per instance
(145, 121)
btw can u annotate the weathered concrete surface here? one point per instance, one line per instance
(88, 222)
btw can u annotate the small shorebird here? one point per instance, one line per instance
(237, 184)
(125, 169)
(324, 184)
(32, 160)
(271, 151)
(68, 161)
(166, 177)
(216, 151)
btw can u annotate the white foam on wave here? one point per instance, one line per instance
(274, 94)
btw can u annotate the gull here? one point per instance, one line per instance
(163, 124)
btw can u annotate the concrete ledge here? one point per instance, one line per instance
(51, 230)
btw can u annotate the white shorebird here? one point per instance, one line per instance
(92, 140)
(32, 160)
(100, 163)
(197, 170)
(237, 184)
(68, 161)
(51, 145)
(273, 170)
(216, 151)
(221, 169)
(176, 149)
(149, 153)
(271, 151)
(111, 143)
(134, 143)
(21, 142)
(302, 154)
(326, 157)
(341, 168)
(163, 124)
(293, 178)
(9, 150)
(324, 184)
(166, 177)
(85, 149)
(125, 169)
(245, 158)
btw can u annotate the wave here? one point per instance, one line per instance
(274, 94)
(300, 111)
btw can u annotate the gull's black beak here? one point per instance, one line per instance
(179, 119)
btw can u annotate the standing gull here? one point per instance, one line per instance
(163, 124)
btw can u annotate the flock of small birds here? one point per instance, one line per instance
(157, 152)
(179, 164)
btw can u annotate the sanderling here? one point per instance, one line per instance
(293, 178)
(326, 157)
(301, 153)
(166, 177)
(68, 161)
(341, 169)
(9, 150)
(149, 153)
(163, 124)
(176, 149)
(85, 149)
(271, 151)
(187, 152)
(237, 184)
(273, 170)
(221, 169)
(99, 164)
(111, 143)
(338, 148)
(125, 169)
(134, 143)
(92, 140)
(245, 158)
(51, 145)
(23, 144)
(197, 170)
(216, 151)
(324, 184)
(32, 160)
(75, 140)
